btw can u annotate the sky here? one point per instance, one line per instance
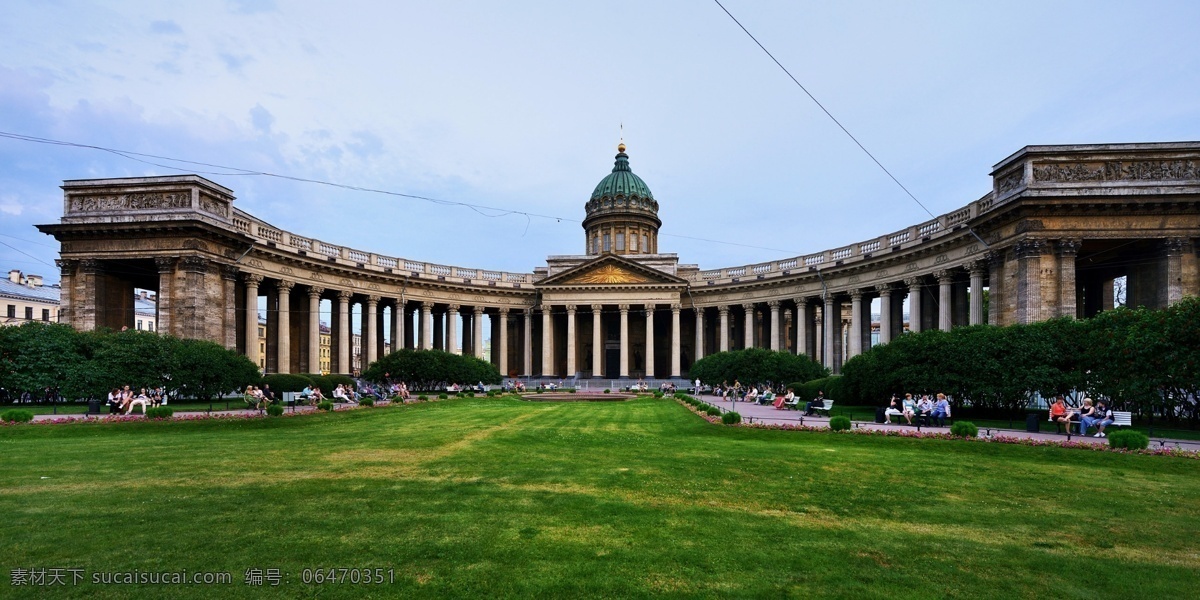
(519, 106)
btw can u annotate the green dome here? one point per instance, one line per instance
(622, 188)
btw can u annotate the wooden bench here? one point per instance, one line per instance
(1122, 418)
(828, 405)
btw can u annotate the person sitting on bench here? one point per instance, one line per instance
(817, 402)
(893, 409)
(941, 410)
(1059, 413)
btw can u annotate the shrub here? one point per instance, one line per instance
(965, 429)
(17, 415)
(274, 410)
(287, 382)
(160, 412)
(607, 391)
(423, 398)
(840, 423)
(470, 394)
(326, 406)
(443, 397)
(1128, 439)
(366, 401)
(491, 394)
(712, 411)
(658, 394)
(572, 390)
(830, 385)
(539, 390)
(731, 418)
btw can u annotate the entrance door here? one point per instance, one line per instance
(612, 363)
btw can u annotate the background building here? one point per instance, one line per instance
(25, 299)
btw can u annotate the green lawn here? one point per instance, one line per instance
(489, 498)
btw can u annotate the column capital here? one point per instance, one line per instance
(675, 308)
(503, 310)
(400, 303)
(883, 289)
(228, 272)
(856, 295)
(66, 266)
(1175, 246)
(914, 283)
(1067, 247)
(802, 300)
(197, 264)
(624, 308)
(477, 310)
(1028, 248)
(977, 268)
(571, 309)
(773, 304)
(166, 264)
(315, 291)
(374, 299)
(284, 285)
(944, 276)
(452, 307)
(252, 279)
(748, 306)
(91, 266)
(723, 310)
(344, 295)
(994, 258)
(597, 308)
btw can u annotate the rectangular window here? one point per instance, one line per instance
(139, 324)
(607, 247)
(645, 244)
(46, 314)
(28, 313)
(633, 243)
(151, 325)
(620, 242)
(12, 311)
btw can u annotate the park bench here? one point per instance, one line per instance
(793, 404)
(1122, 418)
(828, 405)
(142, 400)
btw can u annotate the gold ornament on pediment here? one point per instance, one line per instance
(609, 274)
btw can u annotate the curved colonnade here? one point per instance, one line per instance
(1059, 226)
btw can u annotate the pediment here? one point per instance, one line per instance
(611, 270)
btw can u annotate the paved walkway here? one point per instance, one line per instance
(754, 413)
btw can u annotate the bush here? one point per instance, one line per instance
(712, 411)
(423, 398)
(756, 364)
(275, 410)
(285, 382)
(1128, 439)
(832, 386)
(607, 391)
(470, 394)
(965, 429)
(443, 397)
(160, 412)
(658, 394)
(366, 401)
(840, 423)
(731, 418)
(539, 390)
(326, 406)
(572, 390)
(17, 415)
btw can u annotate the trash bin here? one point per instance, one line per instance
(93, 407)
(880, 416)
(1033, 423)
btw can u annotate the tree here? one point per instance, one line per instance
(756, 365)
(36, 356)
(431, 369)
(206, 370)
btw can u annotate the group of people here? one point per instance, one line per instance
(121, 400)
(1098, 415)
(924, 409)
(258, 397)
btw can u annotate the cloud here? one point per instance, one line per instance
(251, 7)
(166, 28)
(9, 205)
(261, 118)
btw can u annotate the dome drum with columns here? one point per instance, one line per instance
(622, 214)
(1058, 227)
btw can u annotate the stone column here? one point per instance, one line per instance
(675, 345)
(803, 328)
(977, 270)
(1029, 294)
(397, 325)
(571, 349)
(856, 323)
(477, 335)
(1067, 298)
(774, 305)
(502, 353)
(885, 312)
(597, 341)
(914, 303)
(624, 308)
(251, 334)
(996, 300)
(370, 331)
(439, 331)
(832, 314)
(283, 343)
(650, 339)
(452, 329)
(1173, 248)
(426, 325)
(748, 335)
(723, 312)
(819, 338)
(314, 329)
(547, 341)
(699, 349)
(527, 350)
(945, 279)
(343, 307)
(166, 281)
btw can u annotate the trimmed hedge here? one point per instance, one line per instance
(832, 386)
(366, 401)
(282, 382)
(160, 412)
(731, 418)
(275, 410)
(840, 423)
(964, 429)
(17, 415)
(326, 406)
(1128, 439)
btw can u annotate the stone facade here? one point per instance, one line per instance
(1059, 225)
